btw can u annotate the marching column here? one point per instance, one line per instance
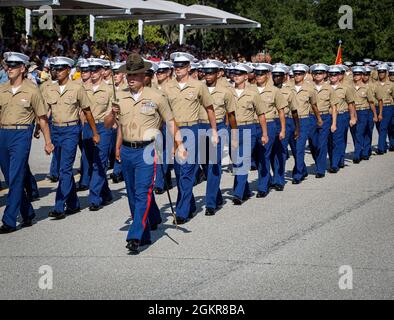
(186, 97)
(307, 102)
(224, 104)
(65, 100)
(20, 103)
(275, 103)
(327, 102)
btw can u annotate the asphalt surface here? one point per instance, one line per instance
(289, 245)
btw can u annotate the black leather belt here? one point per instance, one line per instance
(136, 144)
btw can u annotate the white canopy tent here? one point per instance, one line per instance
(180, 13)
(28, 3)
(150, 12)
(119, 9)
(221, 20)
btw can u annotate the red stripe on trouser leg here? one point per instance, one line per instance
(150, 194)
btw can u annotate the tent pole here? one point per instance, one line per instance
(181, 34)
(141, 28)
(28, 23)
(92, 26)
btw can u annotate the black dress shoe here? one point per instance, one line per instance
(180, 220)
(94, 207)
(133, 245)
(391, 149)
(237, 201)
(365, 158)
(26, 223)
(82, 188)
(380, 153)
(53, 179)
(6, 229)
(320, 175)
(117, 179)
(356, 161)
(209, 212)
(296, 181)
(56, 215)
(159, 191)
(341, 166)
(333, 170)
(261, 194)
(278, 187)
(70, 211)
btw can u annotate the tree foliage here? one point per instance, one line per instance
(307, 30)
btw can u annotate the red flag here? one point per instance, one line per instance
(338, 60)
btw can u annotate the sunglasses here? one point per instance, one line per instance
(319, 72)
(334, 74)
(357, 74)
(296, 74)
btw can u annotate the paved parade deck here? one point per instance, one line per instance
(289, 245)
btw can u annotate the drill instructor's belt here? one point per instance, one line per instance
(65, 124)
(136, 144)
(15, 126)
